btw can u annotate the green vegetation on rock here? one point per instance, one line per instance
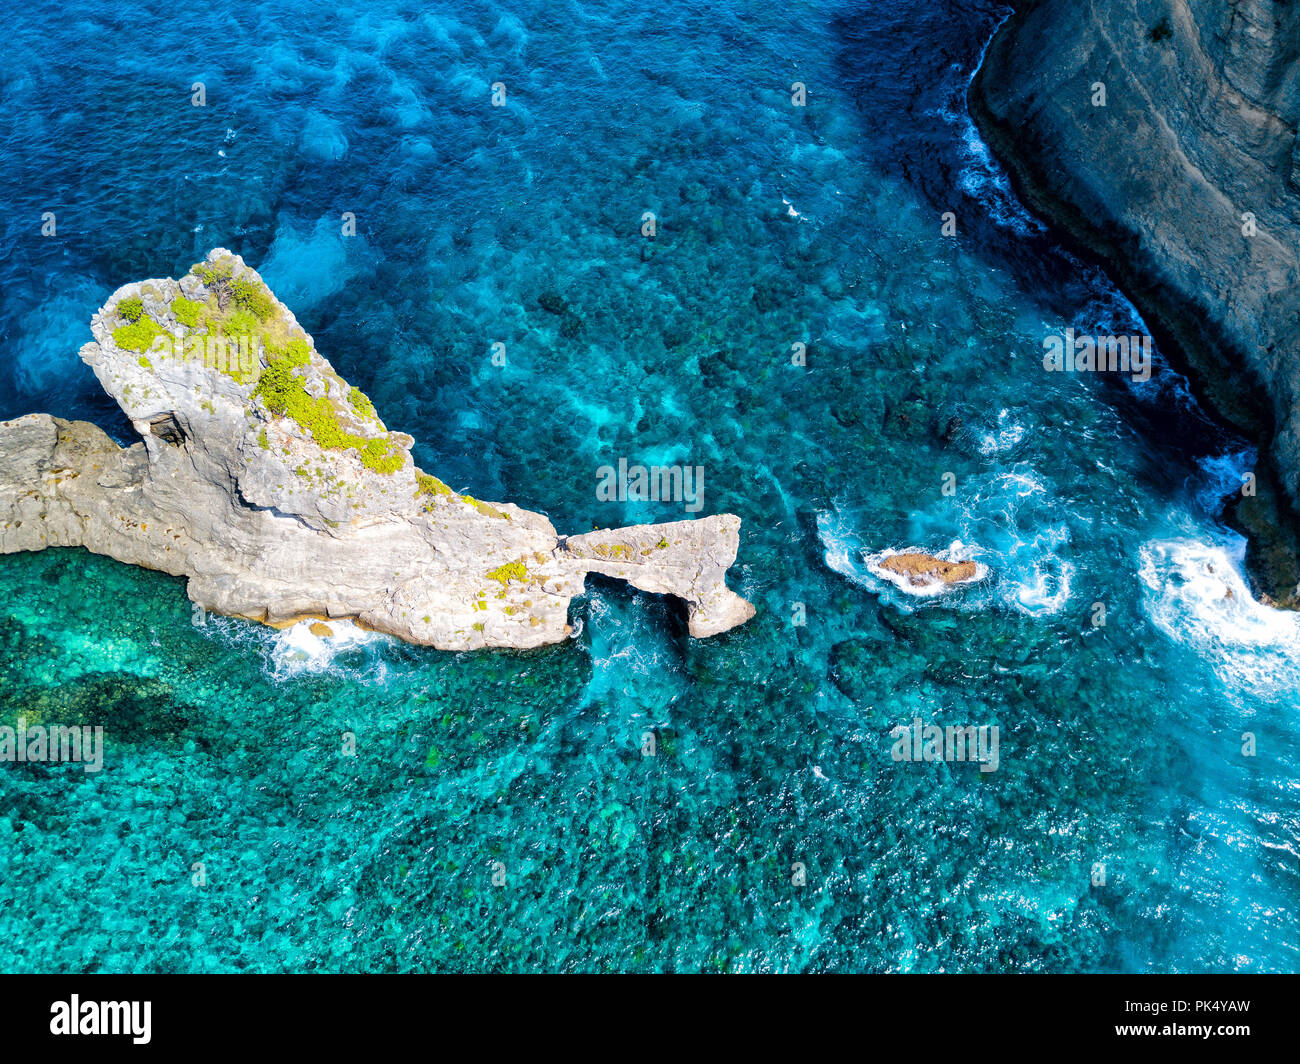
(284, 395)
(503, 574)
(253, 297)
(431, 486)
(137, 336)
(484, 508)
(187, 311)
(245, 293)
(428, 485)
(130, 308)
(240, 323)
(361, 403)
(211, 273)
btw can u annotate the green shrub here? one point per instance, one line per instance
(217, 276)
(209, 273)
(240, 323)
(253, 297)
(187, 311)
(484, 508)
(378, 454)
(277, 385)
(296, 352)
(138, 336)
(130, 308)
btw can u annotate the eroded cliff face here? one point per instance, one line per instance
(1161, 134)
(274, 486)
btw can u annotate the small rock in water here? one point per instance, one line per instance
(922, 568)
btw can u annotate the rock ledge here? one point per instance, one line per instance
(274, 487)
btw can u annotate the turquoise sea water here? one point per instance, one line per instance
(1120, 744)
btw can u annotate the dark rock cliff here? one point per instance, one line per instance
(1161, 136)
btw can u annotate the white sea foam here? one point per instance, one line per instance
(984, 180)
(1197, 595)
(1009, 433)
(1047, 589)
(842, 545)
(981, 176)
(297, 649)
(1007, 524)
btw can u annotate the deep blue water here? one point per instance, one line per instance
(1120, 745)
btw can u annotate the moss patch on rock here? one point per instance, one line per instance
(361, 403)
(484, 508)
(429, 485)
(503, 574)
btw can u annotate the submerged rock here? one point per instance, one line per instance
(275, 488)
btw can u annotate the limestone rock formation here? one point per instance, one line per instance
(274, 486)
(1161, 134)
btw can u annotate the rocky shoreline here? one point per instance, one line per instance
(274, 487)
(1161, 138)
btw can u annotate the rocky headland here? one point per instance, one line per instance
(1160, 135)
(273, 486)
